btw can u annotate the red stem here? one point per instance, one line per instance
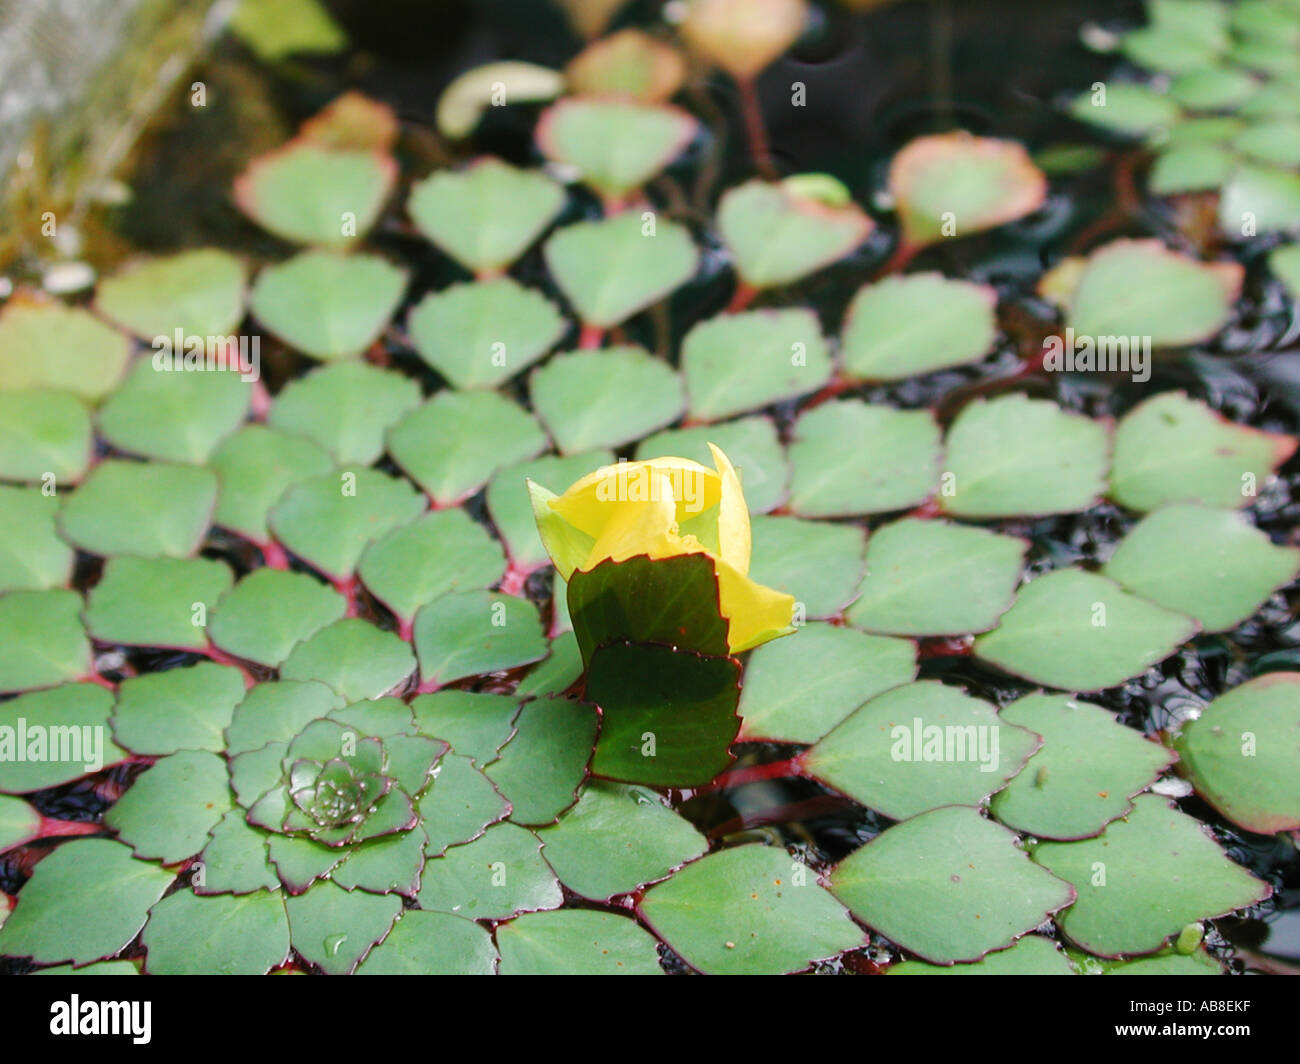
(222, 658)
(405, 629)
(741, 297)
(897, 262)
(95, 678)
(51, 827)
(274, 556)
(347, 587)
(837, 386)
(261, 403)
(752, 113)
(736, 777)
(590, 337)
(513, 581)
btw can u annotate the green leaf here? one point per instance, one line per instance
(486, 215)
(1265, 55)
(223, 934)
(1174, 449)
(580, 942)
(101, 968)
(1077, 631)
(1167, 49)
(460, 805)
(1013, 456)
(254, 467)
(1160, 872)
(589, 400)
(615, 145)
(1284, 262)
(32, 555)
(44, 434)
(819, 563)
(335, 929)
(429, 943)
(170, 808)
(235, 859)
(797, 689)
(180, 709)
(52, 922)
(1164, 963)
(82, 707)
(1126, 108)
(469, 633)
(1240, 753)
(453, 444)
(275, 29)
(345, 409)
(617, 839)
(511, 509)
(442, 551)
(1084, 775)
(328, 306)
(42, 639)
(1191, 168)
(1031, 955)
(19, 823)
(476, 725)
(953, 184)
(739, 362)
(544, 763)
(194, 293)
(57, 348)
(752, 445)
(556, 673)
(1213, 88)
(354, 657)
(611, 269)
(481, 334)
(309, 194)
(777, 236)
(1273, 142)
(893, 463)
(154, 602)
(919, 747)
(499, 874)
(750, 910)
(668, 716)
(275, 713)
(906, 326)
(147, 509)
(1212, 565)
(329, 521)
(271, 611)
(1260, 199)
(948, 886)
(389, 864)
(929, 577)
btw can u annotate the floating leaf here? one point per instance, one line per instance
(428, 943)
(270, 611)
(235, 859)
(81, 707)
(511, 509)
(750, 910)
(819, 563)
(1272, 142)
(752, 445)
(541, 767)
(354, 657)
(50, 346)
(1212, 565)
(44, 434)
(1160, 871)
(743, 36)
(1085, 774)
(611, 269)
(906, 326)
(739, 362)
(798, 689)
(346, 409)
(1260, 199)
(1127, 109)
(778, 236)
(148, 509)
(276, 29)
(169, 810)
(1213, 88)
(1191, 168)
(180, 709)
(462, 103)
(1014, 455)
(335, 929)
(953, 184)
(480, 334)
(1031, 955)
(476, 725)
(580, 942)
(1174, 449)
(1167, 49)
(935, 578)
(19, 823)
(353, 120)
(325, 305)
(42, 640)
(1077, 631)
(918, 747)
(629, 64)
(468, 633)
(593, 399)
(254, 467)
(557, 672)
(486, 215)
(328, 521)
(893, 463)
(460, 805)
(985, 892)
(193, 294)
(219, 935)
(385, 865)
(1241, 753)
(453, 444)
(52, 922)
(32, 555)
(496, 876)
(156, 602)
(310, 194)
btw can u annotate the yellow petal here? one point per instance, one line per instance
(733, 515)
(755, 613)
(633, 528)
(568, 546)
(692, 487)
